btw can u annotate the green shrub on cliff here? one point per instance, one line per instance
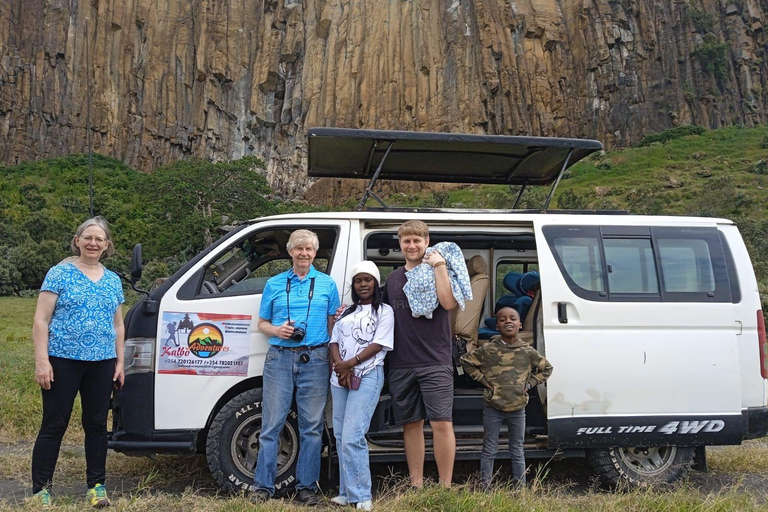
(671, 134)
(703, 21)
(713, 57)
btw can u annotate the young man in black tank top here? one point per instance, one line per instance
(420, 366)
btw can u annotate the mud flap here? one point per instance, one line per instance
(700, 459)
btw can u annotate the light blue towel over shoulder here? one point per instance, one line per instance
(421, 290)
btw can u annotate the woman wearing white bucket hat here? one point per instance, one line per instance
(360, 339)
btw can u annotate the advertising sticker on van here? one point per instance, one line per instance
(204, 344)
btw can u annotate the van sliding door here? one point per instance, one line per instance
(638, 323)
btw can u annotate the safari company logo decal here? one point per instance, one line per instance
(206, 341)
(204, 344)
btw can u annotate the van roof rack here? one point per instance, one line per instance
(442, 158)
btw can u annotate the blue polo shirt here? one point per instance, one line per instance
(325, 302)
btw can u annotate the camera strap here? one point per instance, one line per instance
(288, 296)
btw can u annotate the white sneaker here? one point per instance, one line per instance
(340, 501)
(365, 505)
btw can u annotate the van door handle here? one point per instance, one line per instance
(739, 328)
(562, 312)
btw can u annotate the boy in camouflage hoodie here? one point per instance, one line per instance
(504, 366)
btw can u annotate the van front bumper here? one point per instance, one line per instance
(755, 422)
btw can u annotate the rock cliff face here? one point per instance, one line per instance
(222, 79)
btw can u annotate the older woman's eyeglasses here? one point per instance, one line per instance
(89, 239)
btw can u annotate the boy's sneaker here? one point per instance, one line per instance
(97, 496)
(42, 499)
(365, 505)
(340, 501)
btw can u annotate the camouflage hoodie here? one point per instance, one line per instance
(505, 370)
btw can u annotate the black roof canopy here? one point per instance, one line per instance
(442, 157)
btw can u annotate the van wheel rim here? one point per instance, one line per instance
(245, 447)
(648, 462)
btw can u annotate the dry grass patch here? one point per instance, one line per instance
(555, 498)
(188, 501)
(544, 495)
(148, 472)
(752, 456)
(434, 498)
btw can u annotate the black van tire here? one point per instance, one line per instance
(232, 445)
(641, 466)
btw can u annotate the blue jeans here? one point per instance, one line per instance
(283, 373)
(492, 420)
(352, 411)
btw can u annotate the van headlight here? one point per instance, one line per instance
(139, 355)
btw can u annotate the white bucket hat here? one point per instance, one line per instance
(366, 267)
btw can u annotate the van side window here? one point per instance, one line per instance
(692, 262)
(579, 256)
(641, 263)
(246, 265)
(686, 266)
(505, 267)
(630, 265)
(582, 260)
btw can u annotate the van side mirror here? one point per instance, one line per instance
(135, 270)
(136, 265)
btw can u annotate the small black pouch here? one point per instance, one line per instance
(459, 349)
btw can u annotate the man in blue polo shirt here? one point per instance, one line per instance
(296, 311)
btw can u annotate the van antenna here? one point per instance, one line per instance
(88, 118)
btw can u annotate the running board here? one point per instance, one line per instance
(474, 454)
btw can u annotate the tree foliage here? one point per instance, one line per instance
(174, 212)
(196, 196)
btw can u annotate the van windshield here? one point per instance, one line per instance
(246, 266)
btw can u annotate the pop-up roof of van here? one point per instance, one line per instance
(442, 157)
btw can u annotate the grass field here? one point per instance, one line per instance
(458, 500)
(20, 400)
(148, 492)
(738, 478)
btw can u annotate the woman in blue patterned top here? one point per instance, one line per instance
(78, 336)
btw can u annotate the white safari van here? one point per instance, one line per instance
(653, 324)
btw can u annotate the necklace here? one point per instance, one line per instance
(88, 264)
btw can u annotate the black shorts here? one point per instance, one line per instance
(424, 393)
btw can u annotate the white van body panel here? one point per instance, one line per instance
(753, 387)
(635, 358)
(187, 401)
